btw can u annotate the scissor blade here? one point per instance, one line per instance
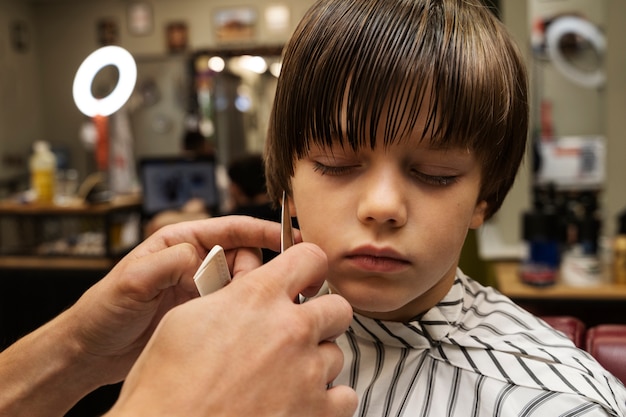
(286, 236)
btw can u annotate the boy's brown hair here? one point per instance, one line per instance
(349, 60)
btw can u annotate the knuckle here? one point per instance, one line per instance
(300, 328)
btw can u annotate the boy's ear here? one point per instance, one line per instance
(478, 217)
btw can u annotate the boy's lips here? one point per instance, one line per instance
(372, 259)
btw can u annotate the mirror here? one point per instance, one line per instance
(226, 95)
(568, 67)
(576, 47)
(158, 106)
(233, 96)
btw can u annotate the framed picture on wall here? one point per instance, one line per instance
(236, 24)
(108, 33)
(140, 18)
(177, 37)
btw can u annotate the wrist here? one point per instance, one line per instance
(45, 373)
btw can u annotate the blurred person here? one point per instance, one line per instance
(194, 145)
(193, 209)
(248, 192)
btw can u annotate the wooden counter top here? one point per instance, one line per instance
(77, 206)
(57, 262)
(510, 284)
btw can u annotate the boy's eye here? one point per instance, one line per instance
(435, 180)
(332, 169)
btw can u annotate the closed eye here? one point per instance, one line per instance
(435, 180)
(332, 170)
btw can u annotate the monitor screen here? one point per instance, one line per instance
(169, 182)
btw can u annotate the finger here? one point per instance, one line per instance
(245, 260)
(155, 272)
(332, 358)
(330, 314)
(228, 231)
(342, 401)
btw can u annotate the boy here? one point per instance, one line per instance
(397, 126)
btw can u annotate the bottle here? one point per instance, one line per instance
(580, 266)
(541, 232)
(619, 252)
(43, 172)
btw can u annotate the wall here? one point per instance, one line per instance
(603, 111)
(614, 198)
(20, 115)
(67, 34)
(500, 237)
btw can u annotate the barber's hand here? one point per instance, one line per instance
(114, 319)
(247, 350)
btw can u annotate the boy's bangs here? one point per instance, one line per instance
(390, 70)
(393, 67)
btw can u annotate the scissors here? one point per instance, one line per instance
(286, 232)
(286, 235)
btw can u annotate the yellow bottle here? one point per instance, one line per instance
(619, 260)
(43, 172)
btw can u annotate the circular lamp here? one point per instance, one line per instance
(97, 60)
(572, 25)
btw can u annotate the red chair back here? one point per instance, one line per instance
(573, 328)
(607, 343)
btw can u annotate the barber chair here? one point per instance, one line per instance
(607, 343)
(573, 328)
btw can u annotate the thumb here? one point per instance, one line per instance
(302, 268)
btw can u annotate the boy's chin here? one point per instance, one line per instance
(374, 304)
(401, 314)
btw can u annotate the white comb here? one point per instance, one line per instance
(213, 273)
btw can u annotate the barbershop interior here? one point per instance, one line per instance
(188, 88)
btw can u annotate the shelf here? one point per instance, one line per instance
(73, 236)
(76, 207)
(510, 284)
(59, 262)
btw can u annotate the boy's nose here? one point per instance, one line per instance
(383, 200)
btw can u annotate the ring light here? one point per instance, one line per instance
(127, 69)
(583, 28)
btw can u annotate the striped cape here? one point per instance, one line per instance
(475, 353)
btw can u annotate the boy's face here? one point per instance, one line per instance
(392, 220)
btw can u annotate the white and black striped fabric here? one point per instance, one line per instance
(476, 353)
